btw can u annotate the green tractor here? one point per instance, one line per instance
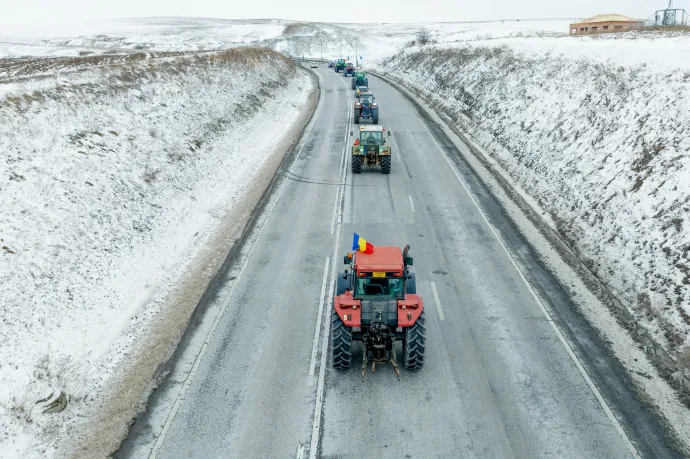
(340, 65)
(370, 149)
(360, 79)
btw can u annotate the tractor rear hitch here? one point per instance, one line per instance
(390, 360)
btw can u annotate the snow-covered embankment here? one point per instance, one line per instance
(603, 148)
(115, 173)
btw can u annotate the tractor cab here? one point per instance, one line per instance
(371, 138)
(366, 98)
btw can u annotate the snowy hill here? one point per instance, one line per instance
(117, 175)
(594, 131)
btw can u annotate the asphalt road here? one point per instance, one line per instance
(512, 370)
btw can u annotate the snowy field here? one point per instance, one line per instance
(601, 146)
(113, 177)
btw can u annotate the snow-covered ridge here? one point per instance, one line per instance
(111, 179)
(602, 147)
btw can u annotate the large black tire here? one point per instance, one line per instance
(341, 343)
(385, 164)
(356, 164)
(353, 84)
(366, 82)
(375, 117)
(356, 116)
(411, 285)
(414, 341)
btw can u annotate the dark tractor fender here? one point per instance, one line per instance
(411, 285)
(343, 284)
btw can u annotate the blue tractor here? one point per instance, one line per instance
(366, 108)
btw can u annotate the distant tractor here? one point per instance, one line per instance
(377, 303)
(360, 79)
(339, 65)
(370, 149)
(366, 108)
(349, 69)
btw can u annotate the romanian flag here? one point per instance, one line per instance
(359, 243)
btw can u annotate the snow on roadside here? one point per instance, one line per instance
(109, 179)
(602, 147)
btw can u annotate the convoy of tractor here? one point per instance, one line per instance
(376, 302)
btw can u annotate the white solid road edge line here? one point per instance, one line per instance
(541, 305)
(316, 426)
(411, 203)
(434, 292)
(319, 318)
(190, 377)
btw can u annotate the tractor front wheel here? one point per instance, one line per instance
(357, 164)
(341, 343)
(385, 164)
(414, 340)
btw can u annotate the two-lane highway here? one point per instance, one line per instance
(501, 379)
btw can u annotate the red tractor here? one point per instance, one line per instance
(377, 303)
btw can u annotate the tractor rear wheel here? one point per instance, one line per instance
(353, 84)
(356, 116)
(356, 164)
(366, 82)
(375, 117)
(341, 343)
(414, 340)
(385, 164)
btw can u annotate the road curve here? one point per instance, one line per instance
(512, 370)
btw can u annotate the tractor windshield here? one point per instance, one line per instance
(379, 287)
(365, 99)
(371, 138)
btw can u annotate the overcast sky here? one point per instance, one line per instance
(55, 11)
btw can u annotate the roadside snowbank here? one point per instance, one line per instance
(111, 178)
(602, 148)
